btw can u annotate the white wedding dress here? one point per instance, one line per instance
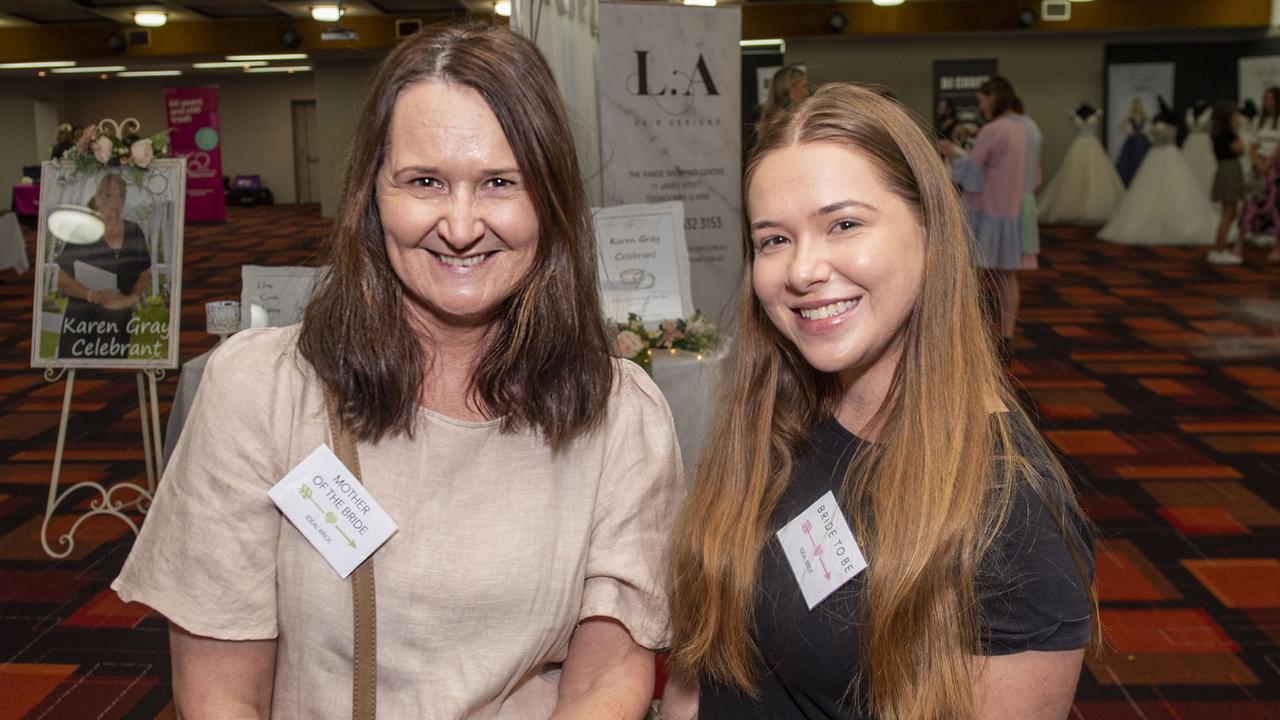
(1086, 189)
(1197, 148)
(1164, 204)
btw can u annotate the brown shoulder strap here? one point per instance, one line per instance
(364, 690)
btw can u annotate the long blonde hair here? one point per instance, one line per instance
(779, 100)
(938, 447)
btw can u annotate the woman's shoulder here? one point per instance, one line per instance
(258, 357)
(634, 391)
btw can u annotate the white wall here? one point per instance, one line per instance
(1051, 74)
(17, 142)
(254, 113)
(340, 88)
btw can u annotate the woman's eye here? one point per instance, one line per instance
(847, 224)
(500, 183)
(425, 182)
(771, 241)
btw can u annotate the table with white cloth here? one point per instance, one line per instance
(687, 382)
(13, 249)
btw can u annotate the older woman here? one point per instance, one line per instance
(459, 337)
(878, 530)
(96, 322)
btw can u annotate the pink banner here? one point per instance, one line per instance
(193, 116)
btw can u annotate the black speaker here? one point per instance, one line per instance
(837, 21)
(290, 38)
(405, 28)
(116, 43)
(1026, 17)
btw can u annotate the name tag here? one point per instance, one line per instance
(821, 550)
(332, 510)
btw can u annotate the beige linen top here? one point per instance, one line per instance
(503, 546)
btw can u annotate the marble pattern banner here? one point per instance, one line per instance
(670, 129)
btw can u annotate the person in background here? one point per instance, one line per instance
(1228, 182)
(994, 177)
(1260, 215)
(944, 119)
(1030, 226)
(1136, 141)
(458, 336)
(863, 370)
(63, 141)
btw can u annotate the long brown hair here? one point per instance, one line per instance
(547, 364)
(938, 446)
(780, 87)
(1003, 97)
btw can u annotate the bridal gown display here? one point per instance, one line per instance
(1197, 148)
(1164, 204)
(1086, 189)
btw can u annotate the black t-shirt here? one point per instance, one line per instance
(1222, 144)
(1034, 600)
(130, 261)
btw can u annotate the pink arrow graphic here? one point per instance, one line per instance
(807, 526)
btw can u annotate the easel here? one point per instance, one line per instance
(104, 504)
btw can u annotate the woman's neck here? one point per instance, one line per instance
(451, 354)
(863, 392)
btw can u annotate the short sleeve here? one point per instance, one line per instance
(206, 555)
(66, 259)
(1034, 597)
(641, 488)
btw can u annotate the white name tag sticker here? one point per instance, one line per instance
(821, 550)
(332, 510)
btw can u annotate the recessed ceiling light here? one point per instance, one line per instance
(279, 69)
(277, 56)
(150, 18)
(327, 12)
(229, 64)
(887, 3)
(503, 8)
(149, 73)
(701, 3)
(97, 69)
(42, 64)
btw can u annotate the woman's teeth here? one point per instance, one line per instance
(826, 311)
(463, 262)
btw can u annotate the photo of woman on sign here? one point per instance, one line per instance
(103, 281)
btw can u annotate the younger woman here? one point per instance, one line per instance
(864, 370)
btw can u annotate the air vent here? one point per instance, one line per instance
(138, 38)
(1055, 10)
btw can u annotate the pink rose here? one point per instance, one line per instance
(629, 344)
(140, 153)
(102, 149)
(87, 136)
(670, 332)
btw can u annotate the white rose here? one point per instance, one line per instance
(629, 344)
(693, 327)
(102, 149)
(140, 153)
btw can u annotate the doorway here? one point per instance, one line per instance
(306, 161)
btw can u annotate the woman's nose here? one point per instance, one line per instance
(809, 266)
(461, 227)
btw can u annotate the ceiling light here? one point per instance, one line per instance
(229, 64)
(44, 64)
(149, 73)
(503, 8)
(277, 56)
(887, 3)
(279, 69)
(98, 69)
(768, 42)
(327, 12)
(150, 18)
(701, 3)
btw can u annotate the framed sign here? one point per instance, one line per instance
(644, 262)
(274, 296)
(108, 293)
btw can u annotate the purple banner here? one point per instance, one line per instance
(192, 113)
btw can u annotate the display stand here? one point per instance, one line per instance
(105, 504)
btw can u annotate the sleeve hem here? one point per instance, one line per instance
(188, 620)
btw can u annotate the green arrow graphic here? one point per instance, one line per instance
(350, 542)
(329, 517)
(305, 492)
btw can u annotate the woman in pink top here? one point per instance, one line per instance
(992, 177)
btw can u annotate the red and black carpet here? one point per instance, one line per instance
(1156, 376)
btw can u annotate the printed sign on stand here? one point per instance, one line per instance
(644, 262)
(192, 114)
(274, 296)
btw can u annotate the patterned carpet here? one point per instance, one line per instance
(1154, 375)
